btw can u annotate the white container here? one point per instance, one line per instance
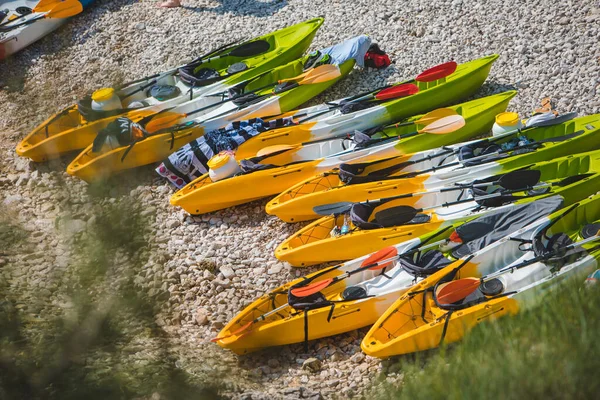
(222, 166)
(506, 122)
(105, 99)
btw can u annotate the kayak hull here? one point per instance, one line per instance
(297, 202)
(202, 195)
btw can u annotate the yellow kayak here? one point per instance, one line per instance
(356, 229)
(75, 127)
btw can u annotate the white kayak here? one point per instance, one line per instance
(19, 31)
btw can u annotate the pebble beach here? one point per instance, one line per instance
(202, 270)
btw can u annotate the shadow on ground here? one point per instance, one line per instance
(258, 8)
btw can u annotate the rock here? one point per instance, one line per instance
(201, 316)
(227, 271)
(312, 364)
(357, 358)
(12, 199)
(74, 226)
(173, 223)
(275, 269)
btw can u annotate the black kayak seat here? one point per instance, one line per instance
(590, 230)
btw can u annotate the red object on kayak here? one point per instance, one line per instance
(380, 255)
(396, 92)
(437, 72)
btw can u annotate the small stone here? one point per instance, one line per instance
(140, 26)
(357, 358)
(74, 226)
(201, 316)
(173, 223)
(564, 21)
(227, 271)
(312, 364)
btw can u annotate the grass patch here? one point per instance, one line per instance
(552, 351)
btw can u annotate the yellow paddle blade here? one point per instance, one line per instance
(60, 9)
(274, 149)
(163, 121)
(321, 73)
(435, 115)
(445, 125)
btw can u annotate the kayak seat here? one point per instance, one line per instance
(483, 231)
(590, 230)
(393, 279)
(465, 153)
(391, 217)
(194, 76)
(429, 263)
(163, 92)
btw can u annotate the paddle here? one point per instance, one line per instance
(436, 126)
(319, 74)
(514, 180)
(459, 289)
(376, 261)
(450, 152)
(54, 9)
(406, 88)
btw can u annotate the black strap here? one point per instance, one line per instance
(306, 331)
(330, 312)
(446, 323)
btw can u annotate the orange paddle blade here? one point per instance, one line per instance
(312, 288)
(319, 74)
(242, 329)
(434, 115)
(163, 121)
(454, 291)
(445, 125)
(59, 9)
(383, 254)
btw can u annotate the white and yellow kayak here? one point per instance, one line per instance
(504, 278)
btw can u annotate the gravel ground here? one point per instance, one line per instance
(547, 48)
